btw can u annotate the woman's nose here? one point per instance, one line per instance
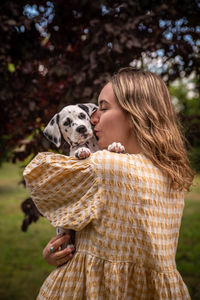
(95, 118)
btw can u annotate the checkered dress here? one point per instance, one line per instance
(126, 219)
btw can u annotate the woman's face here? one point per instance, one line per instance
(111, 123)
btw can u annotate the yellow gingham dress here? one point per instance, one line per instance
(126, 219)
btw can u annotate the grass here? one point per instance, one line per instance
(22, 268)
(188, 252)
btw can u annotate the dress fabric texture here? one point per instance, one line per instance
(127, 222)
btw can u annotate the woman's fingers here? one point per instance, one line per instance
(56, 243)
(56, 238)
(53, 254)
(63, 253)
(64, 260)
(63, 256)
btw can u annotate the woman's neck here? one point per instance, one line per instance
(132, 146)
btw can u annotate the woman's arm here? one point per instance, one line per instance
(57, 257)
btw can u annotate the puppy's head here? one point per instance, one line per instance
(73, 123)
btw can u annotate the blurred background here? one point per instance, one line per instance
(55, 53)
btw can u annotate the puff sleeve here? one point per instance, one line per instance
(64, 189)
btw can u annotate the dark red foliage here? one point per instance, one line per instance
(88, 41)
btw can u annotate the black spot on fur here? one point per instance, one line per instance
(50, 137)
(55, 140)
(57, 119)
(70, 142)
(76, 155)
(94, 109)
(84, 107)
(68, 122)
(52, 122)
(82, 116)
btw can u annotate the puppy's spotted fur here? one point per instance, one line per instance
(73, 123)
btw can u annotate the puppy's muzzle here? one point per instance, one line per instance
(81, 129)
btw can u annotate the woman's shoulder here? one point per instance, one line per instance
(135, 164)
(105, 159)
(109, 155)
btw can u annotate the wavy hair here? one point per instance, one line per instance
(145, 96)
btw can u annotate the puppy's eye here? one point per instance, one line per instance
(82, 116)
(68, 122)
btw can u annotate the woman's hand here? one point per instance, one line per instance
(55, 257)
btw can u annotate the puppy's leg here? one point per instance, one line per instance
(82, 153)
(116, 147)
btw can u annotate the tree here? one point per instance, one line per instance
(62, 52)
(187, 105)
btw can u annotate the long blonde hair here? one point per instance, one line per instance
(145, 96)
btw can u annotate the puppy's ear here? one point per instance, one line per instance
(89, 108)
(52, 131)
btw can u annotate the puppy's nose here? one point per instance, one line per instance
(81, 129)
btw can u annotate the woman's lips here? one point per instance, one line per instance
(97, 133)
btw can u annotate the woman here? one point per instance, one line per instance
(125, 208)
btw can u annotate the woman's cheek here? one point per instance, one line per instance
(101, 145)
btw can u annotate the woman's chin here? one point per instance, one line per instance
(102, 146)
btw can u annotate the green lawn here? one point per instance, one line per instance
(22, 269)
(188, 253)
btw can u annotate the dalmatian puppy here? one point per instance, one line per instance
(73, 124)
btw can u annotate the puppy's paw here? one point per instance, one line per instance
(116, 147)
(82, 153)
(70, 246)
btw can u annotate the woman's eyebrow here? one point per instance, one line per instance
(102, 101)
